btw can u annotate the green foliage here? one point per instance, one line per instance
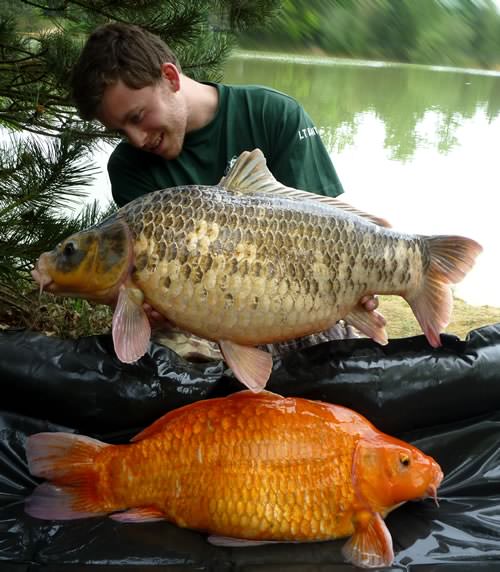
(444, 32)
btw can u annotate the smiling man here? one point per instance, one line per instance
(179, 131)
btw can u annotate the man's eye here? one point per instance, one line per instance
(135, 119)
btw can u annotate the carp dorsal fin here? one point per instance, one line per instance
(250, 174)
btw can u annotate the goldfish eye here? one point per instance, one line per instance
(69, 249)
(404, 459)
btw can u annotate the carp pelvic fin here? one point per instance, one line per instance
(70, 460)
(369, 322)
(139, 515)
(250, 365)
(131, 328)
(450, 258)
(371, 544)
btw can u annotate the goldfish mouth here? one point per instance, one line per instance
(432, 493)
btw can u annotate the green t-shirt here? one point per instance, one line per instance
(247, 117)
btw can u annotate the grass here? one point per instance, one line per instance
(402, 323)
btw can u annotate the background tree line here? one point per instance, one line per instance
(463, 33)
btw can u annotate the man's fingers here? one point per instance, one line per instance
(370, 303)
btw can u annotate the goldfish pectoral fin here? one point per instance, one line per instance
(131, 327)
(49, 502)
(137, 515)
(230, 542)
(250, 365)
(370, 546)
(370, 323)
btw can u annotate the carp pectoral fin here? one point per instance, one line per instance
(451, 257)
(250, 365)
(230, 542)
(131, 328)
(371, 544)
(371, 323)
(144, 514)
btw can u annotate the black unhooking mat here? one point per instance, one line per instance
(446, 401)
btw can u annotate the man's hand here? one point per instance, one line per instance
(157, 321)
(369, 303)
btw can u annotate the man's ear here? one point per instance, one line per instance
(170, 73)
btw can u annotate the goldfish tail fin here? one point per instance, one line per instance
(451, 257)
(370, 546)
(251, 366)
(370, 323)
(131, 328)
(69, 461)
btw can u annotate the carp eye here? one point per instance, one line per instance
(69, 249)
(404, 459)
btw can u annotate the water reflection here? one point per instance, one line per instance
(416, 145)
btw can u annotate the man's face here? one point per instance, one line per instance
(153, 118)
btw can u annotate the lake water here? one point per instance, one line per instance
(414, 144)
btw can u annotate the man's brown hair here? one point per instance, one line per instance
(116, 52)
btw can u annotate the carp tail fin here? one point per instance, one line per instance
(450, 259)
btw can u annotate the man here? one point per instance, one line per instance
(179, 131)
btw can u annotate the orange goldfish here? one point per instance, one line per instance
(246, 468)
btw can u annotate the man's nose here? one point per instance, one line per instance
(136, 136)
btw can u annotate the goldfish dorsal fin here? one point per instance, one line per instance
(249, 174)
(250, 365)
(131, 328)
(371, 544)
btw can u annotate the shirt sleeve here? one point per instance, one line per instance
(129, 179)
(299, 158)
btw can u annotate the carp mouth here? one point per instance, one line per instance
(42, 278)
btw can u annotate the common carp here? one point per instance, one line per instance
(242, 468)
(250, 262)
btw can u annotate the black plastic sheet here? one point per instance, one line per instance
(446, 401)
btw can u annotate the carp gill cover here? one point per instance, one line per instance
(246, 469)
(250, 262)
